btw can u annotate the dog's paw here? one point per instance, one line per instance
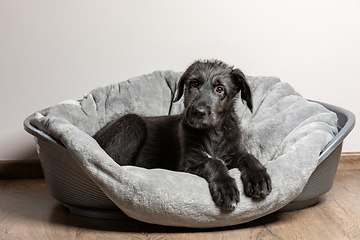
(225, 193)
(257, 184)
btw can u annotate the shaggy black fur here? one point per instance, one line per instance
(204, 140)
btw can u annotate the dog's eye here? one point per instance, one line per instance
(195, 84)
(219, 89)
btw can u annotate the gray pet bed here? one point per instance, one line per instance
(285, 132)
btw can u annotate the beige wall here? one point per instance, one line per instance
(56, 50)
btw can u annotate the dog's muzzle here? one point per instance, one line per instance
(200, 112)
(199, 117)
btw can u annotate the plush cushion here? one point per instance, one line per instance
(285, 132)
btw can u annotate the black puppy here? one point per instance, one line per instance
(204, 140)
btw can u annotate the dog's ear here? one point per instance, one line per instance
(239, 79)
(180, 88)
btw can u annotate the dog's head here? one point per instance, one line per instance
(209, 92)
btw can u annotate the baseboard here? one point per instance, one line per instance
(10, 169)
(349, 161)
(351, 154)
(32, 168)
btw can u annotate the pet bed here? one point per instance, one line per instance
(285, 132)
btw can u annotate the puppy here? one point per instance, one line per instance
(204, 140)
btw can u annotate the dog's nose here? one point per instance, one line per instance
(200, 111)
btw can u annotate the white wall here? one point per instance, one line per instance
(56, 50)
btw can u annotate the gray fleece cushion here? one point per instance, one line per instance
(285, 132)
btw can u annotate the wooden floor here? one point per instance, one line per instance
(27, 211)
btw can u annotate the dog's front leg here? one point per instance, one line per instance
(223, 188)
(257, 182)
